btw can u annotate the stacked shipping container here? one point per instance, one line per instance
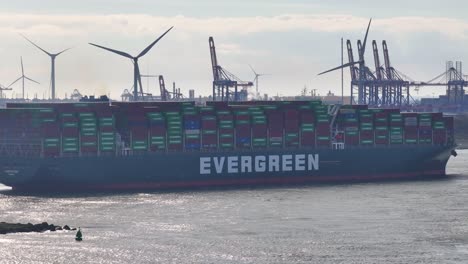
(91, 129)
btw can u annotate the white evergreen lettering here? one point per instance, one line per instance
(273, 163)
(299, 163)
(313, 162)
(205, 165)
(218, 163)
(286, 163)
(246, 164)
(260, 163)
(232, 164)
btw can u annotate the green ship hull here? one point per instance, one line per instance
(223, 168)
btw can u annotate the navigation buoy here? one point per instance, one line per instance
(79, 236)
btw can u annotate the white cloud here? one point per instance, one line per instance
(141, 24)
(185, 57)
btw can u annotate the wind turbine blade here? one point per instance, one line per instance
(253, 70)
(62, 51)
(152, 44)
(14, 82)
(121, 53)
(22, 68)
(341, 66)
(365, 39)
(36, 45)
(139, 78)
(31, 80)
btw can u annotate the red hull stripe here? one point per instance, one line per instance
(260, 181)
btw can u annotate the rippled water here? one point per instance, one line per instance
(396, 222)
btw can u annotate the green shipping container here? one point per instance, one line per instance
(207, 132)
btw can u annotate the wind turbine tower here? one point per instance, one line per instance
(52, 58)
(136, 68)
(22, 77)
(256, 80)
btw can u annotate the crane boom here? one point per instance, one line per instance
(352, 69)
(359, 46)
(214, 59)
(162, 88)
(388, 69)
(376, 60)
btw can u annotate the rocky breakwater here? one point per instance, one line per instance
(6, 228)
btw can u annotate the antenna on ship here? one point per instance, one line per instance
(52, 59)
(136, 68)
(22, 77)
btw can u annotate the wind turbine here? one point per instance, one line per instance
(136, 68)
(52, 59)
(22, 77)
(362, 66)
(256, 80)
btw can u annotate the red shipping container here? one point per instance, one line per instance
(381, 141)
(448, 122)
(291, 114)
(242, 117)
(275, 132)
(175, 147)
(243, 131)
(259, 130)
(366, 134)
(139, 133)
(158, 130)
(209, 141)
(323, 143)
(226, 117)
(352, 140)
(88, 149)
(308, 139)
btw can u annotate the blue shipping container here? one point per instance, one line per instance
(243, 140)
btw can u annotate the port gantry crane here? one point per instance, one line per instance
(453, 79)
(383, 88)
(224, 81)
(387, 87)
(3, 88)
(165, 95)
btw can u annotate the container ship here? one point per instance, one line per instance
(153, 145)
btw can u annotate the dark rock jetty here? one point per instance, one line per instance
(6, 228)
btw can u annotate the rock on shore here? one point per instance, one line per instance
(6, 228)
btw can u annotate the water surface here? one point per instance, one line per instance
(393, 222)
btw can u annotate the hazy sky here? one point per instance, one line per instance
(291, 40)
